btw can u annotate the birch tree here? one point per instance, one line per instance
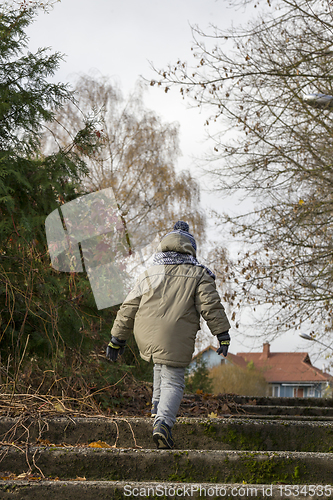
(138, 159)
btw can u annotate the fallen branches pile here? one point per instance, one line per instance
(35, 405)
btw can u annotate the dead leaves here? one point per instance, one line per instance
(32, 477)
(212, 415)
(99, 444)
(208, 405)
(24, 476)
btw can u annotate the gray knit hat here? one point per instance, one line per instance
(183, 228)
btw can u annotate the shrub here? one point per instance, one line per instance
(229, 378)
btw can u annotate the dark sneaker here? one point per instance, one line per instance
(154, 409)
(162, 436)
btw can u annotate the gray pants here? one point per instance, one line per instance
(169, 384)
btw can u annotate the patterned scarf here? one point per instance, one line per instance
(169, 258)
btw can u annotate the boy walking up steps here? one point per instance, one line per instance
(165, 319)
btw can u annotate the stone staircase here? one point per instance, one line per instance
(264, 448)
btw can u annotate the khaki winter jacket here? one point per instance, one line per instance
(163, 310)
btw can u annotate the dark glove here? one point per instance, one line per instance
(224, 339)
(114, 348)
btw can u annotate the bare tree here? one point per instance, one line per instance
(269, 144)
(137, 159)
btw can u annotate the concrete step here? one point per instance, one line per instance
(260, 444)
(216, 466)
(189, 433)
(297, 418)
(88, 490)
(267, 406)
(299, 411)
(272, 401)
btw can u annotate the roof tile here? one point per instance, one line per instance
(283, 366)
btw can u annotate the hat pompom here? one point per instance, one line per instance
(182, 226)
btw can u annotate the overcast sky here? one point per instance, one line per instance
(119, 39)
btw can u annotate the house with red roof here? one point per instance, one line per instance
(289, 374)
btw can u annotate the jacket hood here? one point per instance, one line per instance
(176, 242)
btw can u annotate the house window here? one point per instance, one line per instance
(276, 391)
(310, 393)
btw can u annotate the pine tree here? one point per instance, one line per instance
(34, 300)
(51, 336)
(199, 379)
